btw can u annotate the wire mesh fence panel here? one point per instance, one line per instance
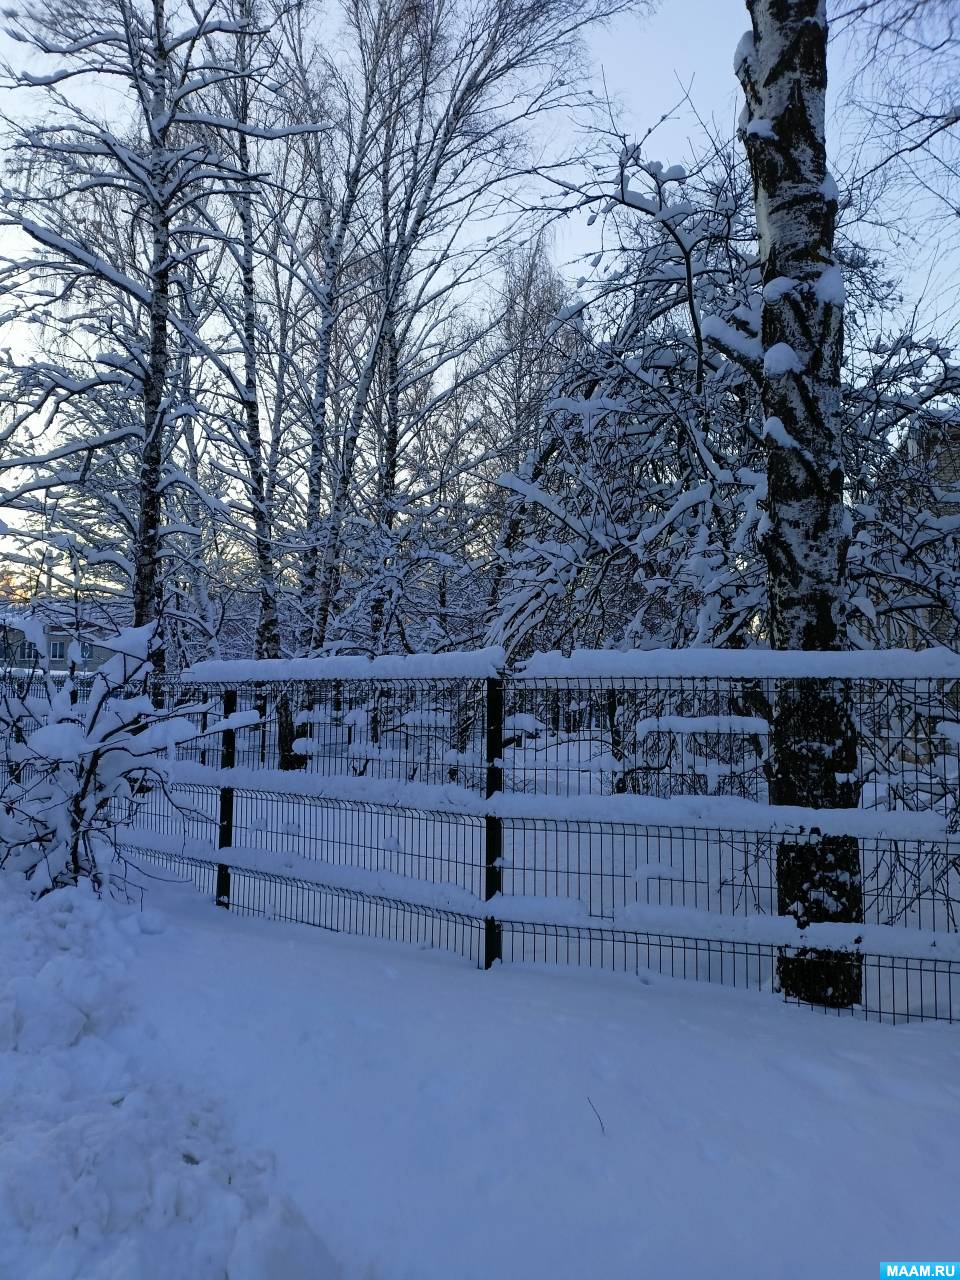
(143, 867)
(681, 736)
(894, 988)
(735, 964)
(914, 883)
(606, 866)
(180, 819)
(658, 737)
(429, 731)
(653, 736)
(255, 893)
(441, 848)
(410, 843)
(35, 684)
(611, 865)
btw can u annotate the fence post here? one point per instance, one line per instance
(228, 758)
(493, 826)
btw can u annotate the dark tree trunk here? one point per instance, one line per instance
(147, 582)
(782, 65)
(268, 627)
(312, 551)
(387, 483)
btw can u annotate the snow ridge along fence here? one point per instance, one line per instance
(606, 810)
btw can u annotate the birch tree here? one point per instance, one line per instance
(782, 65)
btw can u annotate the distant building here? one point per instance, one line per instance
(96, 619)
(62, 625)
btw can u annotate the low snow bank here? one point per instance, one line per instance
(473, 664)
(109, 1167)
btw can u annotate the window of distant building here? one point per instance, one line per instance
(27, 653)
(58, 650)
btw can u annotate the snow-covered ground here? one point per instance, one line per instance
(184, 1093)
(114, 1165)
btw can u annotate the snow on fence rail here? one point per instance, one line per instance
(577, 870)
(607, 664)
(571, 817)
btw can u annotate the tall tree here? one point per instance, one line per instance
(782, 65)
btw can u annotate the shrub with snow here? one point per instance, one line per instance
(70, 761)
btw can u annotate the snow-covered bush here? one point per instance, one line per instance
(73, 753)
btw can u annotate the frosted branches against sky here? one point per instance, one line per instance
(647, 64)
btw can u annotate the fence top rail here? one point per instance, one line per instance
(587, 664)
(880, 664)
(478, 664)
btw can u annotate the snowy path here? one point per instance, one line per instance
(436, 1123)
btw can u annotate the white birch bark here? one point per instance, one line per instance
(782, 65)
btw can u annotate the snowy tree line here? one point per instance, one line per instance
(287, 342)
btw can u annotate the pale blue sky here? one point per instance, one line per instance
(646, 62)
(649, 60)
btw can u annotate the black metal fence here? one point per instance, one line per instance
(606, 867)
(300, 810)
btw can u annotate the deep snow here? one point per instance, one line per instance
(428, 1120)
(112, 1166)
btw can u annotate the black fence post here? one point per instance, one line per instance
(228, 759)
(493, 825)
